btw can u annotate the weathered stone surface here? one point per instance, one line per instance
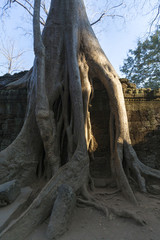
(154, 189)
(144, 125)
(143, 110)
(8, 78)
(9, 191)
(61, 213)
(10, 212)
(100, 182)
(12, 113)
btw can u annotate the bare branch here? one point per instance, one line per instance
(108, 15)
(22, 5)
(7, 5)
(9, 2)
(29, 4)
(153, 21)
(99, 19)
(116, 6)
(43, 6)
(12, 58)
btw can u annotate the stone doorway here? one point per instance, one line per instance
(100, 114)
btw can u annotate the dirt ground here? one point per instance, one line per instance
(90, 224)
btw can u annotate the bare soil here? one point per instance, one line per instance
(90, 224)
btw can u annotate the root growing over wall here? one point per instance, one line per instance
(56, 138)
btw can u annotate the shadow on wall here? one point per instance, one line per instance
(144, 124)
(143, 116)
(100, 115)
(148, 150)
(12, 112)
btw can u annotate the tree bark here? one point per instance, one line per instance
(57, 135)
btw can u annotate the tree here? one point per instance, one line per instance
(12, 57)
(142, 65)
(109, 9)
(56, 137)
(29, 8)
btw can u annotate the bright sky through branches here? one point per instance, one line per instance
(116, 36)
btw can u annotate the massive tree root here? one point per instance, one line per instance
(56, 138)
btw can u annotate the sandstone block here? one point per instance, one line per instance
(9, 191)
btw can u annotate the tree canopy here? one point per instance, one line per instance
(142, 65)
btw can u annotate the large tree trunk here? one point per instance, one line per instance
(57, 136)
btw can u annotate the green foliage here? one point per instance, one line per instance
(142, 65)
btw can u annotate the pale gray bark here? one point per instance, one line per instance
(57, 129)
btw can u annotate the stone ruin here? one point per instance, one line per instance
(143, 109)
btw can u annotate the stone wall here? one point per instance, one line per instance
(12, 113)
(143, 109)
(8, 78)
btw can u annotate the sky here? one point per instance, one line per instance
(116, 34)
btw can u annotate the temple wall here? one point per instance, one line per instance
(143, 109)
(144, 124)
(12, 113)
